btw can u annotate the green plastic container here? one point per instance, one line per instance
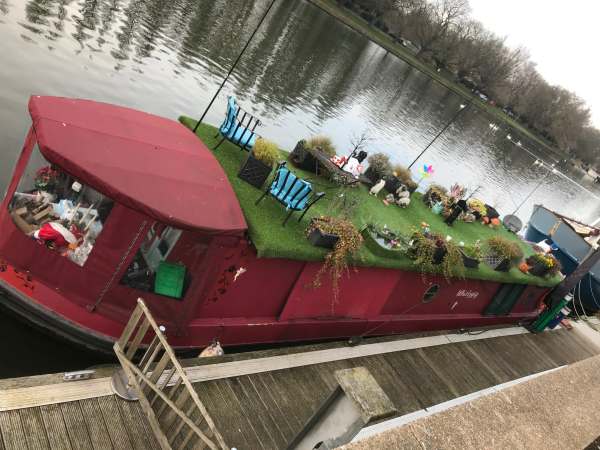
(169, 279)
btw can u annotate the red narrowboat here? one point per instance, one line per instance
(160, 220)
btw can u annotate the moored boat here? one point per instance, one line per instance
(161, 219)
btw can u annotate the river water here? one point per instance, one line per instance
(304, 74)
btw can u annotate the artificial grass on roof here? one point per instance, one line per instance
(272, 240)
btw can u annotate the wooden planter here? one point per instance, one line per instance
(471, 263)
(254, 171)
(320, 239)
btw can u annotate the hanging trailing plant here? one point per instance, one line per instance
(430, 250)
(337, 260)
(453, 265)
(426, 251)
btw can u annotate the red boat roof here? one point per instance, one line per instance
(148, 163)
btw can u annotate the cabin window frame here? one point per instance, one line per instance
(147, 255)
(25, 178)
(430, 293)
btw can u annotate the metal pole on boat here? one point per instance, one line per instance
(262, 19)
(537, 186)
(569, 283)
(463, 107)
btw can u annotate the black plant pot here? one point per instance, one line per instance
(302, 158)
(372, 175)
(254, 171)
(539, 270)
(392, 184)
(320, 239)
(504, 266)
(471, 263)
(438, 255)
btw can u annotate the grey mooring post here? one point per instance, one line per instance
(357, 402)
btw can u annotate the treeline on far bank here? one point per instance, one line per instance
(443, 34)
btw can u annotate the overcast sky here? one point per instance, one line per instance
(562, 36)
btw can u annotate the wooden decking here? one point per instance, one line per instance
(264, 408)
(96, 423)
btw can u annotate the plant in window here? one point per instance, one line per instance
(322, 143)
(46, 177)
(337, 260)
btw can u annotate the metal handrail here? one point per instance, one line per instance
(161, 385)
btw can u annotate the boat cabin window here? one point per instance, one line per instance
(430, 293)
(150, 271)
(57, 210)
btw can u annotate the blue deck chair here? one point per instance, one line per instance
(292, 192)
(238, 131)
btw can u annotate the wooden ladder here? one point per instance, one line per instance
(176, 414)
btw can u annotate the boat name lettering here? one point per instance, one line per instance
(467, 293)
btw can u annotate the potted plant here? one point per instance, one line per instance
(379, 167)
(318, 235)
(477, 207)
(471, 255)
(348, 243)
(502, 254)
(430, 250)
(321, 143)
(453, 264)
(405, 177)
(541, 264)
(46, 178)
(435, 194)
(260, 161)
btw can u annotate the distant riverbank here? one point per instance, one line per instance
(387, 42)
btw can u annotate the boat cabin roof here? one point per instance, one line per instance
(145, 162)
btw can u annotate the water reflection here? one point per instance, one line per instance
(304, 73)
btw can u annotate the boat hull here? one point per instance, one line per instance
(50, 311)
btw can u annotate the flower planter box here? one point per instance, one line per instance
(320, 239)
(469, 262)
(374, 242)
(254, 172)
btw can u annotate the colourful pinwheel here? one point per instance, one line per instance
(426, 170)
